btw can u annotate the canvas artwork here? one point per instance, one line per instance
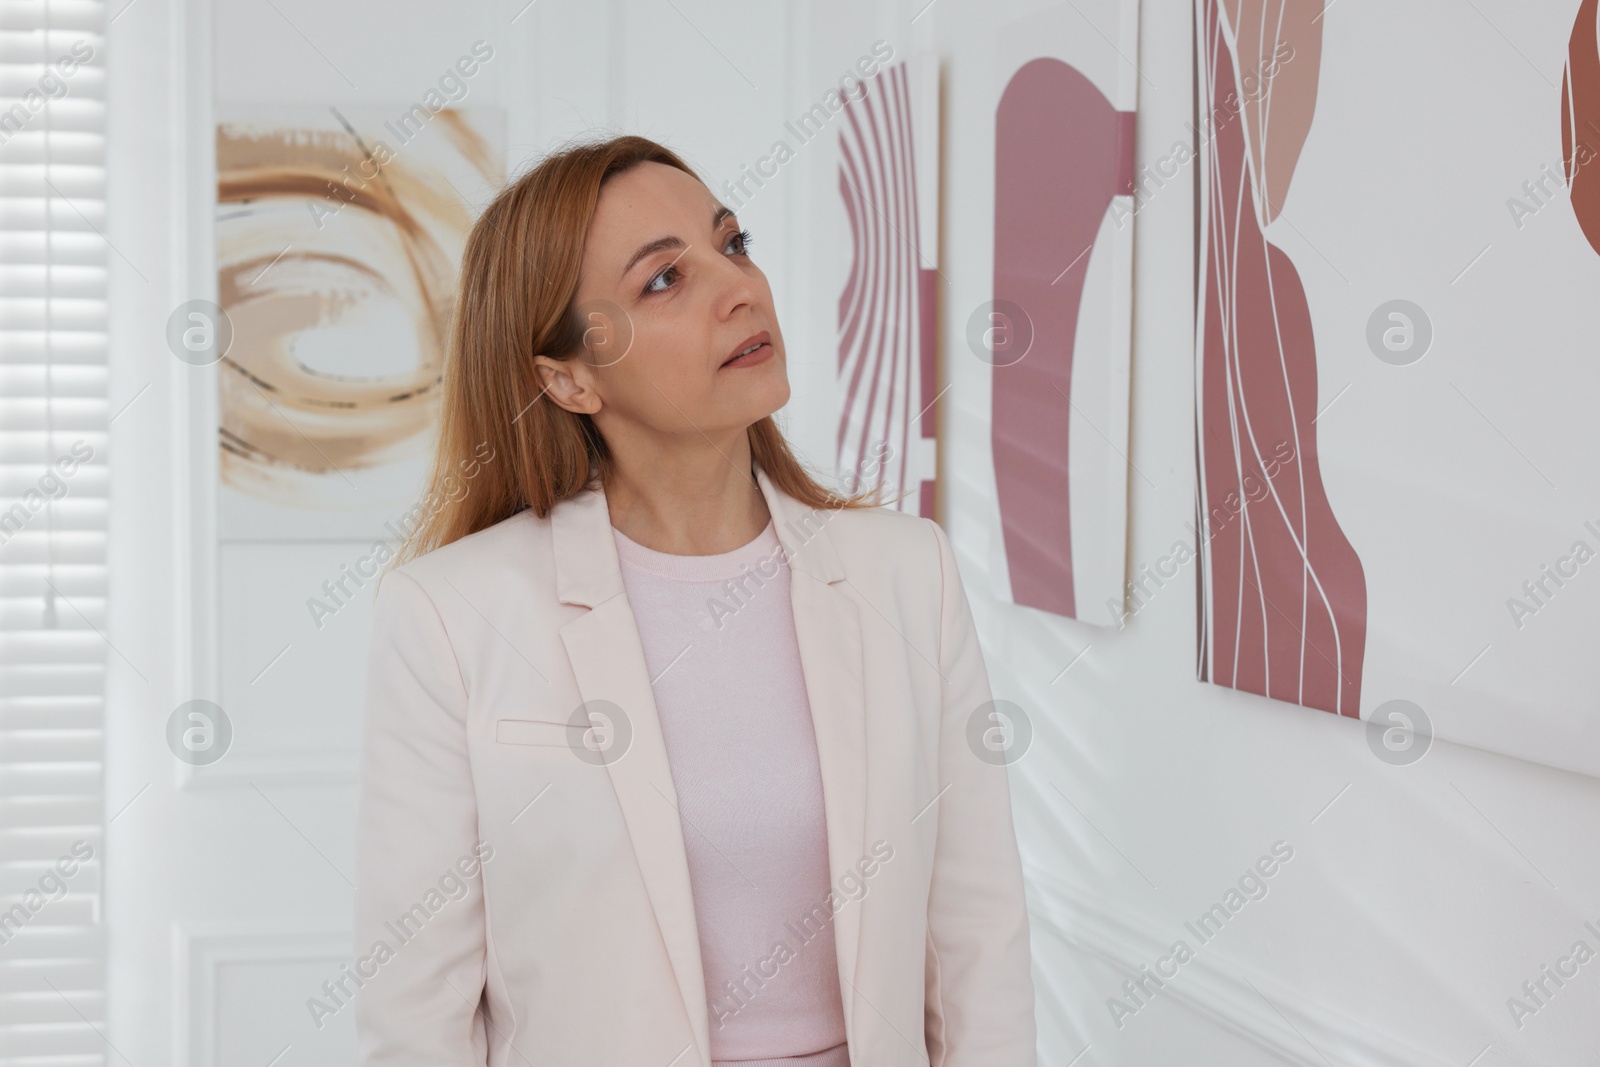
(1394, 504)
(1056, 332)
(1283, 594)
(888, 371)
(339, 234)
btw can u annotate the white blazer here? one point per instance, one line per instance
(505, 856)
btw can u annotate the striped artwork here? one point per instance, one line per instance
(888, 180)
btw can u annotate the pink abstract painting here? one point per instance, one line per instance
(1282, 593)
(888, 180)
(1062, 153)
(1580, 122)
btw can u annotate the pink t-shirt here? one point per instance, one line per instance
(719, 642)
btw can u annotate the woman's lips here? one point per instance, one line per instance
(760, 355)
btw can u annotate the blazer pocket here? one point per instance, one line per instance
(534, 732)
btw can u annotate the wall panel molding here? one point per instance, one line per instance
(1246, 1001)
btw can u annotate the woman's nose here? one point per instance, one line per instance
(736, 286)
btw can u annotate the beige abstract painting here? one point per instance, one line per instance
(339, 235)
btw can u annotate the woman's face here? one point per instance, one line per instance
(671, 295)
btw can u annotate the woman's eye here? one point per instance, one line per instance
(738, 244)
(651, 287)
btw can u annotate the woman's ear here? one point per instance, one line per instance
(568, 382)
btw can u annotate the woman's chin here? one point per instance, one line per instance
(767, 395)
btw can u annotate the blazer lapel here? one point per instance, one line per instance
(607, 660)
(827, 627)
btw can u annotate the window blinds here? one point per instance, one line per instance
(53, 503)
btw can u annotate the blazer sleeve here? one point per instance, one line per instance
(420, 942)
(979, 1004)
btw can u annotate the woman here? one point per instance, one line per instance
(669, 754)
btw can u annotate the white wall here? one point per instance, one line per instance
(1414, 905)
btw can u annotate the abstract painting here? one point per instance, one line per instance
(1283, 602)
(1580, 121)
(889, 185)
(1056, 332)
(1392, 398)
(339, 234)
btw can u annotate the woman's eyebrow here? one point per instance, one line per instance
(660, 243)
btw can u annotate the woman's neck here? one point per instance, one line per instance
(700, 504)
